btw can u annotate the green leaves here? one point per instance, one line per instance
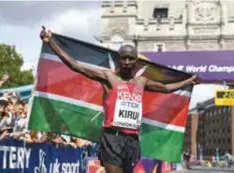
(10, 62)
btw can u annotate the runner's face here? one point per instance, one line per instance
(127, 63)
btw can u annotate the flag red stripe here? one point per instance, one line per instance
(56, 78)
(166, 108)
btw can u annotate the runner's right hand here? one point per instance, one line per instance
(45, 35)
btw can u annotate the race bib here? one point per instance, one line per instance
(128, 110)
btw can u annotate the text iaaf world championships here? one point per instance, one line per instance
(203, 68)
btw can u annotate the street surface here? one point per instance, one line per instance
(209, 170)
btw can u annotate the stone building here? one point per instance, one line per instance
(180, 25)
(210, 129)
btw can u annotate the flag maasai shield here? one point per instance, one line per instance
(67, 102)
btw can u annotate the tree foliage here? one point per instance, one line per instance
(11, 62)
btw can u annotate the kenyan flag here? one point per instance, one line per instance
(69, 103)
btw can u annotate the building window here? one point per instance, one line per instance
(214, 141)
(160, 13)
(224, 110)
(159, 47)
(223, 130)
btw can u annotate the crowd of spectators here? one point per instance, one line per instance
(14, 121)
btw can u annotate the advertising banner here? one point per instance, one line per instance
(40, 158)
(212, 66)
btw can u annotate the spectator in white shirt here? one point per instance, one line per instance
(6, 123)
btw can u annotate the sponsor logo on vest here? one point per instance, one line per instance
(130, 104)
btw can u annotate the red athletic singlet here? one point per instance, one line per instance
(123, 107)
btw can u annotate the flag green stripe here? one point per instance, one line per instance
(61, 117)
(166, 144)
(56, 116)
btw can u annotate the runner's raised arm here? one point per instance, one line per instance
(94, 73)
(157, 86)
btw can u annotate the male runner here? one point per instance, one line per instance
(119, 148)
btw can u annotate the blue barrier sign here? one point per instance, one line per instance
(17, 157)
